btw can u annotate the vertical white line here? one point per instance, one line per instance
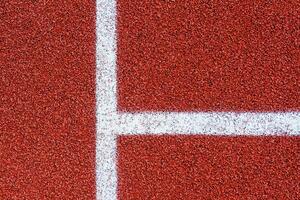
(106, 175)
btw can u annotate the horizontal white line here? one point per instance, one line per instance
(216, 123)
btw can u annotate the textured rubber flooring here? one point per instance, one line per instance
(47, 103)
(208, 167)
(172, 55)
(208, 55)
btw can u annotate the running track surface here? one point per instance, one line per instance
(171, 56)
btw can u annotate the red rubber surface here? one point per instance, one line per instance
(47, 100)
(208, 167)
(220, 55)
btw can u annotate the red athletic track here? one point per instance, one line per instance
(220, 55)
(47, 102)
(189, 55)
(208, 167)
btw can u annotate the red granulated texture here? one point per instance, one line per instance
(208, 167)
(217, 55)
(47, 103)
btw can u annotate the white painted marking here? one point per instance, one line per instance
(111, 123)
(225, 123)
(106, 174)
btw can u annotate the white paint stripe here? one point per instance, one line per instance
(111, 123)
(225, 123)
(106, 174)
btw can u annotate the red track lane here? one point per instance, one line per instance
(243, 57)
(47, 102)
(232, 55)
(208, 167)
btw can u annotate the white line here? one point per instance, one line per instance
(217, 123)
(106, 174)
(111, 123)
